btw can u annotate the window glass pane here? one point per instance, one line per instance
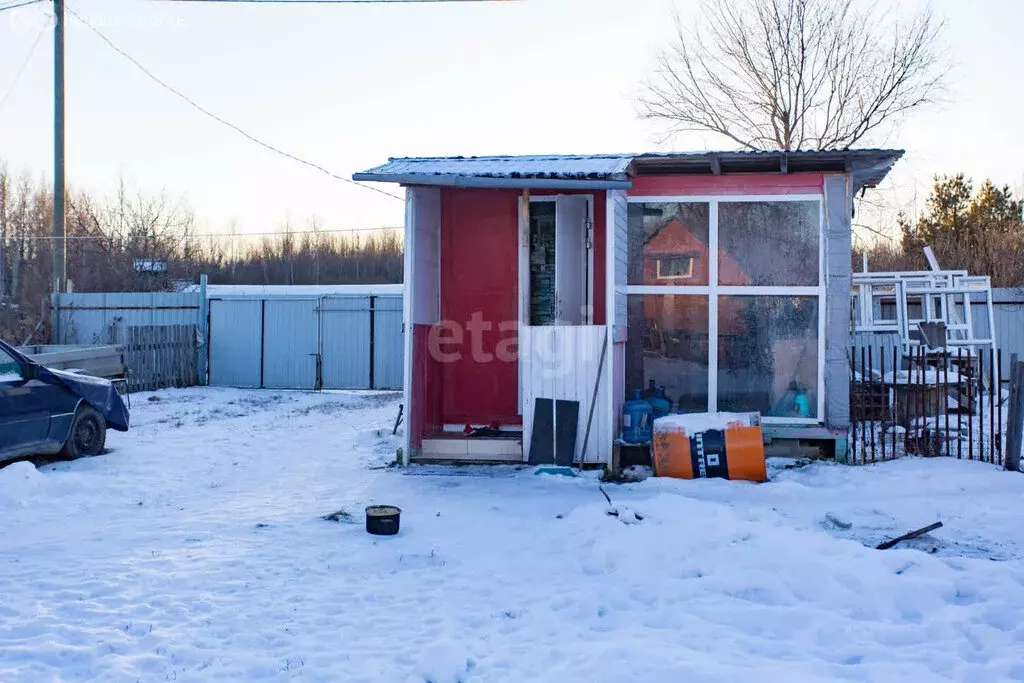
(768, 243)
(9, 369)
(668, 244)
(668, 343)
(768, 355)
(542, 263)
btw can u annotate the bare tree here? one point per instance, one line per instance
(795, 74)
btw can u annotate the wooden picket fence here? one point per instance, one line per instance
(160, 356)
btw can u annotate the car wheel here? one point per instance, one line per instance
(88, 434)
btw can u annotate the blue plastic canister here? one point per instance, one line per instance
(660, 403)
(637, 419)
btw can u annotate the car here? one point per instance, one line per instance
(49, 412)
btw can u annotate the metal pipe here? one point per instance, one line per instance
(871, 423)
(999, 404)
(863, 421)
(883, 396)
(895, 396)
(959, 403)
(992, 388)
(853, 404)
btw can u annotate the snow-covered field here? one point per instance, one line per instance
(194, 551)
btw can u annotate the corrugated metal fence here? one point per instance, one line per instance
(327, 342)
(158, 331)
(1008, 314)
(307, 342)
(274, 341)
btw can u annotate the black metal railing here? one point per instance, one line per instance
(949, 402)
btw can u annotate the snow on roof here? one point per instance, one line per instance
(608, 167)
(866, 166)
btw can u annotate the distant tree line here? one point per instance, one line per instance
(136, 243)
(978, 230)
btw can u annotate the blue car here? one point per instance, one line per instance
(46, 412)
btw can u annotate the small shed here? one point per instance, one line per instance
(723, 277)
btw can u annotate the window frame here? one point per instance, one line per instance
(713, 290)
(690, 259)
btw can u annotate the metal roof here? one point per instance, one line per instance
(867, 167)
(605, 170)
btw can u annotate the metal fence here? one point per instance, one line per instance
(1008, 314)
(947, 403)
(307, 342)
(273, 340)
(159, 332)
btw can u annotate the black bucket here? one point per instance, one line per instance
(382, 520)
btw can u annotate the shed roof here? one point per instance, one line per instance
(609, 171)
(553, 170)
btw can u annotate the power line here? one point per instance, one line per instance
(19, 4)
(21, 70)
(225, 122)
(201, 236)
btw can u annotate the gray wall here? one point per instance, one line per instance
(838, 337)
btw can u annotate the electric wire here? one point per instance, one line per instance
(221, 120)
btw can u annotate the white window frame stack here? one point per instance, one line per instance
(713, 290)
(931, 286)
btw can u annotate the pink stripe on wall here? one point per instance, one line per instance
(738, 183)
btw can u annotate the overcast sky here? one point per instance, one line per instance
(347, 86)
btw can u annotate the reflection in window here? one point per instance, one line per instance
(668, 243)
(542, 264)
(9, 368)
(768, 355)
(768, 243)
(668, 343)
(671, 267)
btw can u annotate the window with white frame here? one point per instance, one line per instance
(725, 303)
(674, 267)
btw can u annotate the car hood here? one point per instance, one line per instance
(96, 391)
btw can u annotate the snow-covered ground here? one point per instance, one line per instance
(195, 551)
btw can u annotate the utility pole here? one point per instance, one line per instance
(60, 245)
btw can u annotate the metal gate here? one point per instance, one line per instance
(236, 349)
(345, 330)
(291, 343)
(328, 342)
(388, 347)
